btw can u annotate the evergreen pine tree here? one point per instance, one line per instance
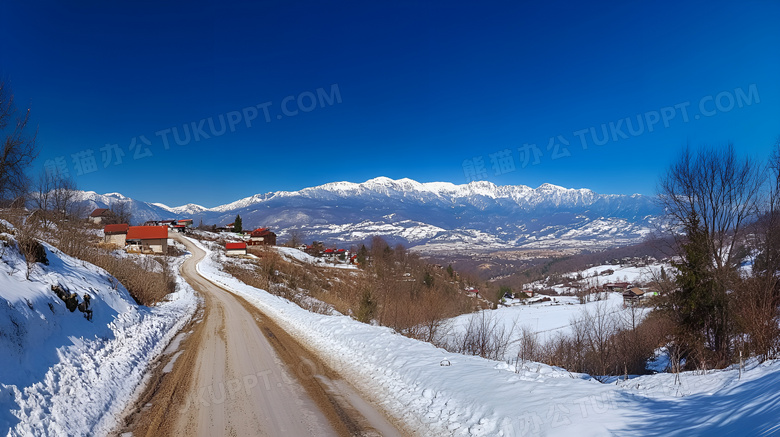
(237, 225)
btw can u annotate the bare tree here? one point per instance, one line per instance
(710, 197)
(63, 195)
(42, 195)
(18, 149)
(296, 238)
(121, 212)
(758, 311)
(27, 234)
(721, 191)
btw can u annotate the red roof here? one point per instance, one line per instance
(116, 229)
(185, 220)
(260, 232)
(147, 232)
(179, 226)
(235, 245)
(328, 250)
(98, 212)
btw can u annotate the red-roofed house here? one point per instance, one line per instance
(147, 239)
(186, 222)
(100, 215)
(262, 236)
(115, 234)
(235, 249)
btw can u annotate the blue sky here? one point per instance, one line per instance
(436, 92)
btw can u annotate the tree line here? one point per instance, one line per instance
(723, 212)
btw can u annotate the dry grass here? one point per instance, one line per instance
(398, 290)
(148, 279)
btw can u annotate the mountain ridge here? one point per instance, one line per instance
(430, 215)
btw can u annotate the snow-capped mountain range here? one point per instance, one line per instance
(428, 216)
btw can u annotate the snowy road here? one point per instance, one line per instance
(237, 373)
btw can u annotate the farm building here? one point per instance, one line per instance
(147, 239)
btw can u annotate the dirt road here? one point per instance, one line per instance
(234, 372)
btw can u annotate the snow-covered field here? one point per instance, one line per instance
(435, 392)
(545, 319)
(597, 276)
(290, 253)
(61, 374)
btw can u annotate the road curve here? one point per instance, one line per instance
(238, 374)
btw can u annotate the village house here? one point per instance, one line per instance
(101, 215)
(528, 293)
(226, 228)
(316, 248)
(262, 236)
(147, 239)
(115, 234)
(184, 222)
(633, 295)
(235, 249)
(169, 223)
(617, 286)
(152, 223)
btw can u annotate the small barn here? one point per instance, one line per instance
(115, 234)
(101, 215)
(633, 295)
(147, 239)
(235, 249)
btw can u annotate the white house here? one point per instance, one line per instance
(235, 249)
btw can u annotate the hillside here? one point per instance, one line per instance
(60, 372)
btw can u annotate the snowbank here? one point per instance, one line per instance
(61, 374)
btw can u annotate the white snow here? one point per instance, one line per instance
(61, 374)
(291, 253)
(543, 318)
(474, 396)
